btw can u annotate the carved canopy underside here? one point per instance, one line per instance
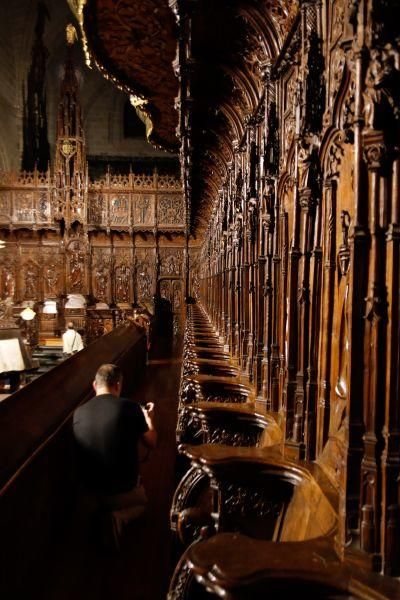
(232, 48)
(135, 43)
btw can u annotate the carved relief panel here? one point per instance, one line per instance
(145, 274)
(171, 261)
(337, 56)
(24, 207)
(8, 271)
(119, 209)
(30, 275)
(76, 267)
(172, 290)
(43, 206)
(5, 206)
(170, 210)
(101, 274)
(194, 273)
(97, 208)
(291, 90)
(123, 275)
(143, 210)
(52, 272)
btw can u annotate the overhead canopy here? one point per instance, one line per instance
(133, 43)
(233, 44)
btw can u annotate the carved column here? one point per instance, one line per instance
(329, 202)
(390, 544)
(374, 367)
(358, 241)
(268, 223)
(276, 281)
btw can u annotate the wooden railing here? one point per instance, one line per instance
(38, 481)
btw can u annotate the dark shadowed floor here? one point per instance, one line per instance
(141, 570)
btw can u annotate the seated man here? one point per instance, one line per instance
(72, 340)
(107, 430)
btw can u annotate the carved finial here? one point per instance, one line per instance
(71, 34)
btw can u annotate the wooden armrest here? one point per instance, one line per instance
(235, 566)
(260, 484)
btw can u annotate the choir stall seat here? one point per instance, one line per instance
(229, 424)
(237, 567)
(259, 494)
(206, 388)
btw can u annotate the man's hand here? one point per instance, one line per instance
(150, 437)
(149, 410)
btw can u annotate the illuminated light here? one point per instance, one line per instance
(27, 314)
(137, 100)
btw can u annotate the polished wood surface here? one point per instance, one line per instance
(297, 192)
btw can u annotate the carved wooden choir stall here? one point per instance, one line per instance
(284, 238)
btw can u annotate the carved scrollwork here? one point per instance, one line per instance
(189, 392)
(376, 155)
(182, 579)
(187, 492)
(170, 210)
(240, 500)
(335, 155)
(188, 429)
(215, 434)
(227, 396)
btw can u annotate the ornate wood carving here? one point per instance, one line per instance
(76, 267)
(140, 61)
(300, 210)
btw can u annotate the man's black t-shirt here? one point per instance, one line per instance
(107, 429)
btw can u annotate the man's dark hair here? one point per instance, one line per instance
(108, 376)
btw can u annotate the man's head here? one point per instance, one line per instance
(70, 325)
(108, 380)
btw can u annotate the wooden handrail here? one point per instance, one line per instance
(29, 417)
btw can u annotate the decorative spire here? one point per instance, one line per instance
(36, 149)
(70, 166)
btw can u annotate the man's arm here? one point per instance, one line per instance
(149, 438)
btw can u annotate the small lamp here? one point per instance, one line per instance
(28, 315)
